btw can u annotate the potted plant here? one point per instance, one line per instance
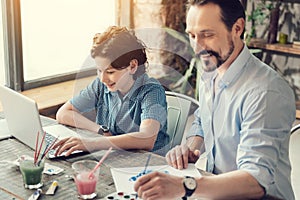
(177, 53)
(274, 17)
(260, 15)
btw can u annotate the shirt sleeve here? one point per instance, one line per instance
(87, 99)
(154, 104)
(196, 128)
(264, 135)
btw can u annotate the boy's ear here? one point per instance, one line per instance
(133, 66)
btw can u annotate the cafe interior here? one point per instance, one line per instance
(45, 57)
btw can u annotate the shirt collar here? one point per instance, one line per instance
(236, 67)
(207, 77)
(232, 72)
(137, 84)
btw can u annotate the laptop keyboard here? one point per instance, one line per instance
(49, 139)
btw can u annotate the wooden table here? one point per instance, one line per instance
(11, 184)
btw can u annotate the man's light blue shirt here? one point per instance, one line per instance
(246, 123)
(123, 114)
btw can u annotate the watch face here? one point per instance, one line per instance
(104, 128)
(190, 183)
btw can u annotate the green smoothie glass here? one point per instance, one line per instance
(32, 174)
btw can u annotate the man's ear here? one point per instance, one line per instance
(238, 27)
(133, 66)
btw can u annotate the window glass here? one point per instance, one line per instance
(57, 34)
(2, 65)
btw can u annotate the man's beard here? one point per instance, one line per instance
(208, 64)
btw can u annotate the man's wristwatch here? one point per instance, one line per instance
(190, 185)
(103, 129)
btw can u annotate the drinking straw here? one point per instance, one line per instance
(147, 162)
(100, 162)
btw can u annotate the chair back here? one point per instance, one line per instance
(294, 150)
(178, 113)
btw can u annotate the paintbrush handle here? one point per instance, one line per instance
(147, 163)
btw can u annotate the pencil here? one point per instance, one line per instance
(38, 153)
(36, 146)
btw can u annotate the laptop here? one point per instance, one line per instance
(24, 122)
(4, 132)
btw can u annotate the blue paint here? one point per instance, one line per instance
(134, 178)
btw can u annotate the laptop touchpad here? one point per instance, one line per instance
(59, 130)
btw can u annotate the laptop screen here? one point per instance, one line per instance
(22, 116)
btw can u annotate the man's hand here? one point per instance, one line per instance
(180, 156)
(157, 185)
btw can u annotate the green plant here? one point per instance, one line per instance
(194, 67)
(259, 14)
(257, 17)
(180, 58)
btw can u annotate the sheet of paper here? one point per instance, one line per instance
(124, 178)
(4, 132)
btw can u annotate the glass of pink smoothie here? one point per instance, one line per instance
(86, 185)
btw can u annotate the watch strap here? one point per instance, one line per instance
(188, 192)
(100, 131)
